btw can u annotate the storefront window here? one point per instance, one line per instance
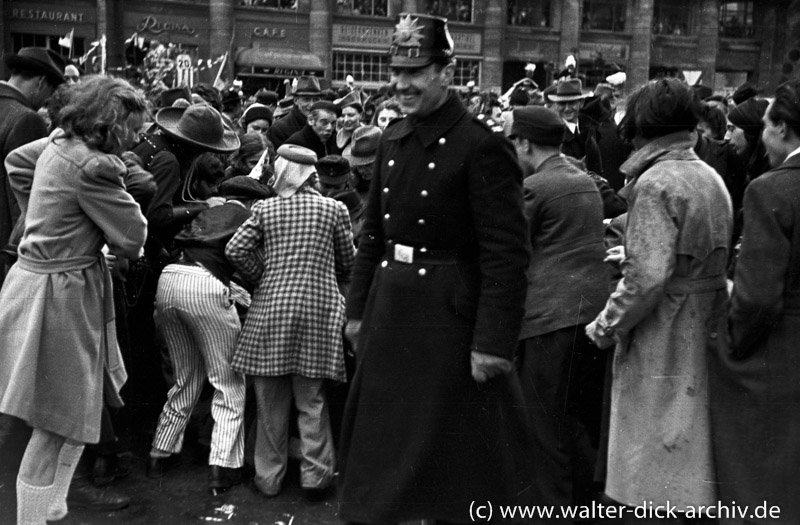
(736, 19)
(673, 17)
(49, 41)
(453, 10)
(362, 7)
(604, 15)
(279, 4)
(467, 70)
(530, 13)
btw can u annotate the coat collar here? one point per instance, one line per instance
(643, 158)
(9, 91)
(429, 129)
(792, 163)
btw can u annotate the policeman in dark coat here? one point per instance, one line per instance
(434, 420)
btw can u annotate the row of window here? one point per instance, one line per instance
(365, 67)
(670, 17)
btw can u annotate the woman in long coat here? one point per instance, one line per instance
(296, 246)
(57, 321)
(677, 235)
(756, 388)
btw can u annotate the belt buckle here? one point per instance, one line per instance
(403, 253)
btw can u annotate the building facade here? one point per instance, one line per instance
(717, 43)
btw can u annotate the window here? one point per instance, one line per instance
(49, 41)
(530, 13)
(371, 68)
(673, 17)
(604, 15)
(736, 19)
(453, 10)
(362, 7)
(279, 4)
(363, 66)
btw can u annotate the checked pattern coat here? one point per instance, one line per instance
(294, 325)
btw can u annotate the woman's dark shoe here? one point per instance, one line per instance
(221, 479)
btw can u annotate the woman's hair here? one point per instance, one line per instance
(714, 117)
(659, 108)
(390, 104)
(786, 106)
(250, 144)
(208, 167)
(98, 111)
(210, 94)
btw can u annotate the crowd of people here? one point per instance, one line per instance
(548, 297)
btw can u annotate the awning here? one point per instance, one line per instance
(283, 62)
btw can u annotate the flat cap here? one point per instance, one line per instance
(333, 169)
(297, 154)
(365, 145)
(539, 125)
(327, 106)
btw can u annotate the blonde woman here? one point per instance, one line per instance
(57, 319)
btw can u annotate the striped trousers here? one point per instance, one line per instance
(200, 324)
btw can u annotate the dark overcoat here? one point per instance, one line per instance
(756, 388)
(420, 438)
(307, 138)
(286, 127)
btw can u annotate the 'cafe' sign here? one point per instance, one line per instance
(151, 24)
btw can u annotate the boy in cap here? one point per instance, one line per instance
(435, 306)
(335, 182)
(319, 134)
(297, 248)
(362, 157)
(567, 284)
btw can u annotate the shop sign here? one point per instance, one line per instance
(278, 71)
(49, 15)
(269, 32)
(593, 51)
(380, 38)
(151, 24)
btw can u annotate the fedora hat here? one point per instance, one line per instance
(199, 125)
(419, 40)
(39, 59)
(569, 90)
(365, 145)
(308, 86)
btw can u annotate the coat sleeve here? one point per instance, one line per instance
(242, 250)
(496, 203)
(762, 265)
(28, 128)
(371, 247)
(650, 242)
(20, 166)
(103, 198)
(167, 176)
(343, 248)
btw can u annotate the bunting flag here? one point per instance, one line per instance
(66, 40)
(93, 47)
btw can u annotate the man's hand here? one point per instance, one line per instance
(351, 332)
(486, 366)
(598, 336)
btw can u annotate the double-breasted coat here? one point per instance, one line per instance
(756, 382)
(57, 322)
(663, 309)
(295, 249)
(420, 438)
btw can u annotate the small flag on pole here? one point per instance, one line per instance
(66, 40)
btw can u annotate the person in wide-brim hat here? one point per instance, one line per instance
(569, 90)
(39, 60)
(198, 125)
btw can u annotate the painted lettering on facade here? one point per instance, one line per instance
(269, 32)
(151, 24)
(379, 38)
(592, 51)
(47, 15)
